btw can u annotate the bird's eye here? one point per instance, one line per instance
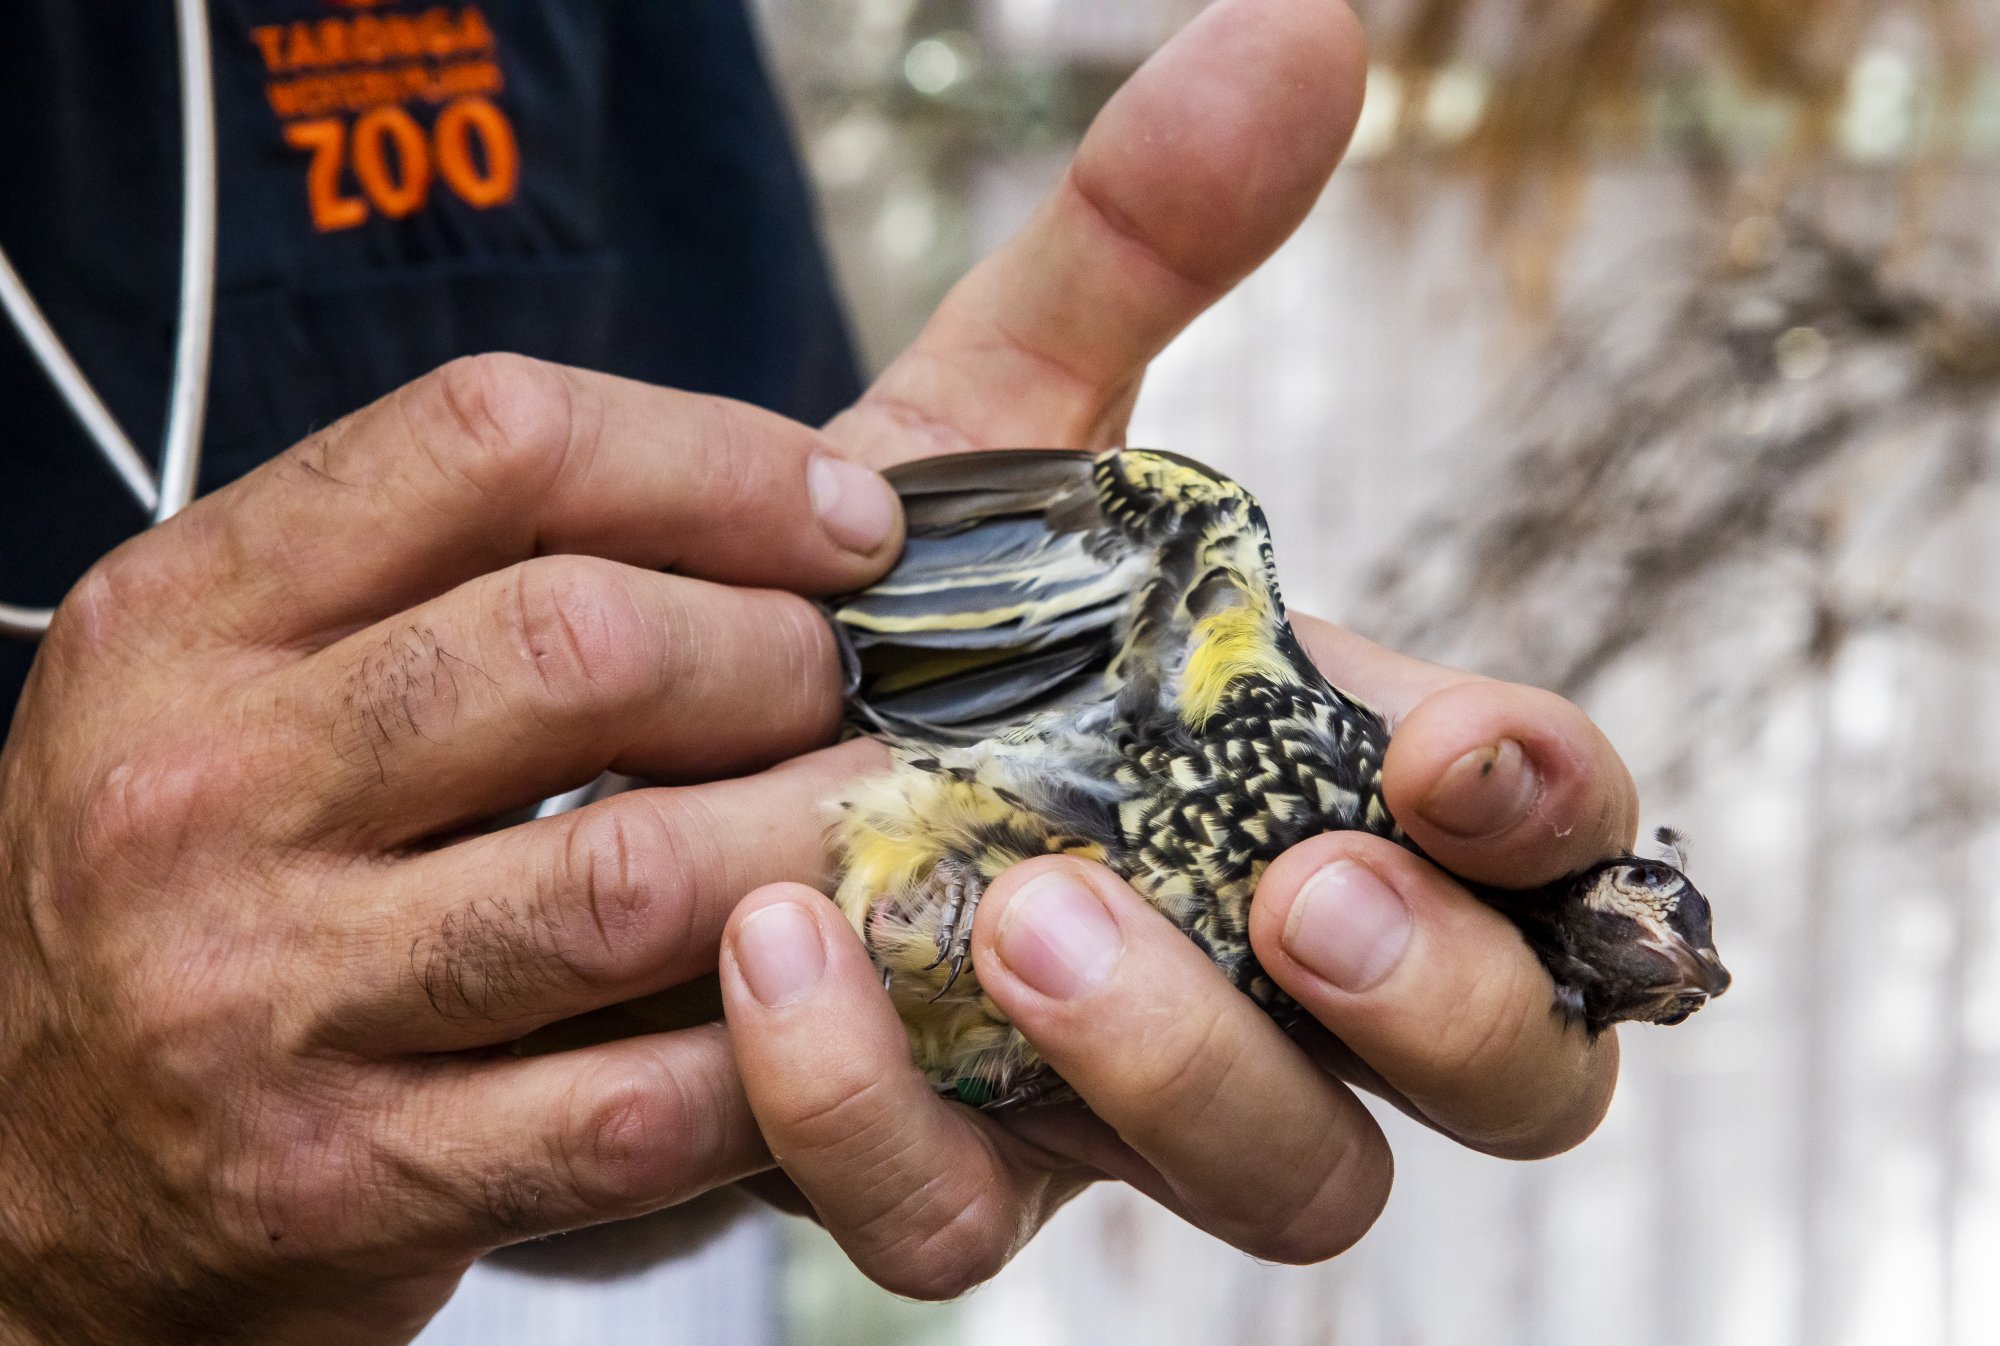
(1649, 876)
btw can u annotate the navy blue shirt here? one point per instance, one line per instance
(608, 183)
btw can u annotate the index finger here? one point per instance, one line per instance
(1500, 783)
(497, 459)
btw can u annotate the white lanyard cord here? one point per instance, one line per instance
(187, 409)
(56, 361)
(180, 455)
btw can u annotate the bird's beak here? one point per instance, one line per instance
(1717, 975)
(1692, 978)
(1699, 970)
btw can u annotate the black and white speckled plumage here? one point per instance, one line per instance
(1275, 765)
(1091, 656)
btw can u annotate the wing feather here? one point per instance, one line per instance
(1029, 572)
(1009, 600)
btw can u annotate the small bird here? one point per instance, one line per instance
(1088, 655)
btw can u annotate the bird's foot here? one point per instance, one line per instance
(958, 886)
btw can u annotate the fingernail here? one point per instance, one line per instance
(857, 507)
(1485, 792)
(781, 955)
(1347, 926)
(1058, 938)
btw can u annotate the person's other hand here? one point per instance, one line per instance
(1199, 167)
(1429, 998)
(255, 966)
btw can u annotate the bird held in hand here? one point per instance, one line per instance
(1089, 655)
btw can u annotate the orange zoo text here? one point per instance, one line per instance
(385, 160)
(437, 35)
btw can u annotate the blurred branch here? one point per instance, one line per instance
(1798, 427)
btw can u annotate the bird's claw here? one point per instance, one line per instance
(962, 889)
(957, 966)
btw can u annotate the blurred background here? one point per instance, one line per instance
(1646, 350)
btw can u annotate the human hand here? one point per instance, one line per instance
(1206, 160)
(1427, 996)
(252, 978)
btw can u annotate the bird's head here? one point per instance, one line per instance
(1645, 932)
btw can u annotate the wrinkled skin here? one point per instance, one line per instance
(259, 956)
(249, 994)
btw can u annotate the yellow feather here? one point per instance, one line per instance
(938, 621)
(1177, 483)
(1231, 644)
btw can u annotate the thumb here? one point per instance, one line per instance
(1201, 165)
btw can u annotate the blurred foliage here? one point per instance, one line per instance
(1710, 429)
(827, 1302)
(1752, 93)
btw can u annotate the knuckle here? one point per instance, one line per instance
(1187, 1073)
(575, 624)
(1481, 1031)
(152, 804)
(611, 896)
(292, 1190)
(945, 1261)
(613, 904)
(916, 1229)
(512, 423)
(849, 1111)
(636, 1140)
(321, 456)
(126, 590)
(513, 1204)
(1330, 1215)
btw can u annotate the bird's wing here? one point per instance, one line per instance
(1010, 599)
(1045, 580)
